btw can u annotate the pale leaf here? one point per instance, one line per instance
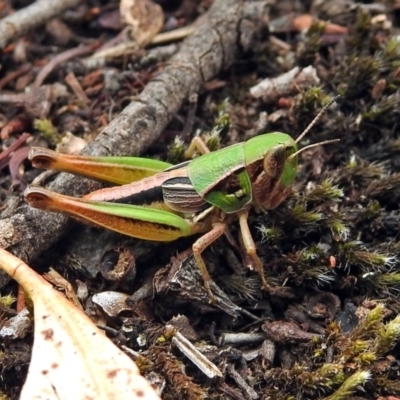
(144, 17)
(71, 358)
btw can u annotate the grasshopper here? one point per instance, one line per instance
(162, 202)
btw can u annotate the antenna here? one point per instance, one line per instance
(313, 145)
(314, 121)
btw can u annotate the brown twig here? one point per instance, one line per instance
(22, 70)
(22, 139)
(59, 59)
(30, 17)
(76, 87)
(283, 85)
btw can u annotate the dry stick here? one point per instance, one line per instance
(76, 87)
(81, 50)
(121, 48)
(212, 48)
(11, 76)
(30, 17)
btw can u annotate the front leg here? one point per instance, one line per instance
(251, 247)
(198, 144)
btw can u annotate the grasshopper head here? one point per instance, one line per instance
(271, 163)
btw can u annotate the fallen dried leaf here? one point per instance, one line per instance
(16, 327)
(112, 303)
(304, 22)
(144, 17)
(71, 144)
(66, 361)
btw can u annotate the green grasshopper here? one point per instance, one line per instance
(161, 202)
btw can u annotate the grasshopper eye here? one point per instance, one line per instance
(274, 161)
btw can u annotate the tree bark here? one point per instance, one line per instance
(31, 17)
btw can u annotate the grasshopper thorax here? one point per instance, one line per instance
(259, 172)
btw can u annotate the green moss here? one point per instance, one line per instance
(48, 131)
(350, 385)
(7, 300)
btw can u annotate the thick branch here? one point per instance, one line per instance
(212, 48)
(30, 17)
